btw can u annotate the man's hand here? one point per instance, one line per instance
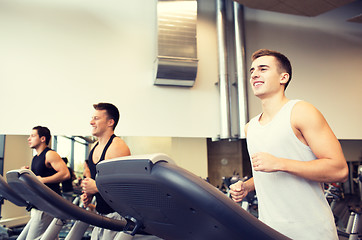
(86, 199)
(238, 191)
(89, 186)
(266, 162)
(40, 178)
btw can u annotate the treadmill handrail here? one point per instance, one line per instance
(9, 194)
(154, 158)
(48, 201)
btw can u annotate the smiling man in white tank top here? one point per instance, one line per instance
(292, 151)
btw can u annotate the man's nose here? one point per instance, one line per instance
(254, 74)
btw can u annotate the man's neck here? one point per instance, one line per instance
(103, 139)
(272, 105)
(40, 149)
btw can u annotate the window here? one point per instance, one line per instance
(63, 146)
(80, 154)
(73, 148)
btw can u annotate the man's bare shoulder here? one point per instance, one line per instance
(118, 148)
(51, 155)
(303, 107)
(306, 113)
(119, 142)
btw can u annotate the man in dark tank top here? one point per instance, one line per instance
(108, 146)
(50, 169)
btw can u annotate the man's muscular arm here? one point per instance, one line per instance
(53, 159)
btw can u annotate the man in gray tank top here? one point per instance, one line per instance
(292, 152)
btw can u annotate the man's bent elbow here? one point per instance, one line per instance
(343, 174)
(66, 176)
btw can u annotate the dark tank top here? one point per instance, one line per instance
(67, 185)
(101, 206)
(40, 169)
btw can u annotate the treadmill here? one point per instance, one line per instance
(165, 200)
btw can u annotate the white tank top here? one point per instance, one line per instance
(290, 204)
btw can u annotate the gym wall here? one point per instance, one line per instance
(17, 154)
(188, 153)
(325, 52)
(59, 57)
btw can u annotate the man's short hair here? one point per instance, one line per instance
(112, 111)
(43, 132)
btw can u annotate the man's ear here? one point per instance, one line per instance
(43, 139)
(110, 122)
(284, 78)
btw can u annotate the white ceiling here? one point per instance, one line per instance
(308, 8)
